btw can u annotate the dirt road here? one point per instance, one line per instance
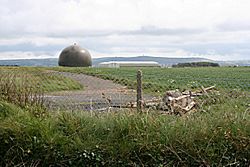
(98, 94)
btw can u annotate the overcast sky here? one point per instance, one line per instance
(215, 29)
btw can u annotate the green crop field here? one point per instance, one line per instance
(162, 79)
(232, 84)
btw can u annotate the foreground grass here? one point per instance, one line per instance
(126, 138)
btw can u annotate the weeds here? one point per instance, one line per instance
(17, 89)
(26, 87)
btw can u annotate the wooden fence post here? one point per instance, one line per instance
(139, 91)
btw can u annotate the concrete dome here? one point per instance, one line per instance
(75, 56)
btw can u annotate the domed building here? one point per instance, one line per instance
(75, 56)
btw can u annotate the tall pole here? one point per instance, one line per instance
(139, 91)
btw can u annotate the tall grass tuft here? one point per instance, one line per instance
(17, 88)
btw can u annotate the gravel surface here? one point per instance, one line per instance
(98, 94)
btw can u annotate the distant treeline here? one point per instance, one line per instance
(197, 64)
(9, 65)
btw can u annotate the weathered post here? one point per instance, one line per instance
(139, 91)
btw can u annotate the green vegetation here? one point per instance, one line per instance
(197, 64)
(41, 78)
(25, 86)
(158, 80)
(124, 139)
(218, 134)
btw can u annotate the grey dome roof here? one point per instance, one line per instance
(75, 56)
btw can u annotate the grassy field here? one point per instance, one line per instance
(37, 77)
(231, 83)
(162, 79)
(26, 86)
(218, 135)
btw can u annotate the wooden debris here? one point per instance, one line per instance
(181, 102)
(107, 99)
(209, 88)
(173, 102)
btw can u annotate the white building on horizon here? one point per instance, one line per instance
(118, 64)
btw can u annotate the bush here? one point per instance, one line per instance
(197, 64)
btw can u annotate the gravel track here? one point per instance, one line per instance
(96, 95)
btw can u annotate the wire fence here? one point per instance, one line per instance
(171, 91)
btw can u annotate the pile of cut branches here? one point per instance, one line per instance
(179, 103)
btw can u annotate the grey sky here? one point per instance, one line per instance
(216, 29)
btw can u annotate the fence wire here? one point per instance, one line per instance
(169, 90)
